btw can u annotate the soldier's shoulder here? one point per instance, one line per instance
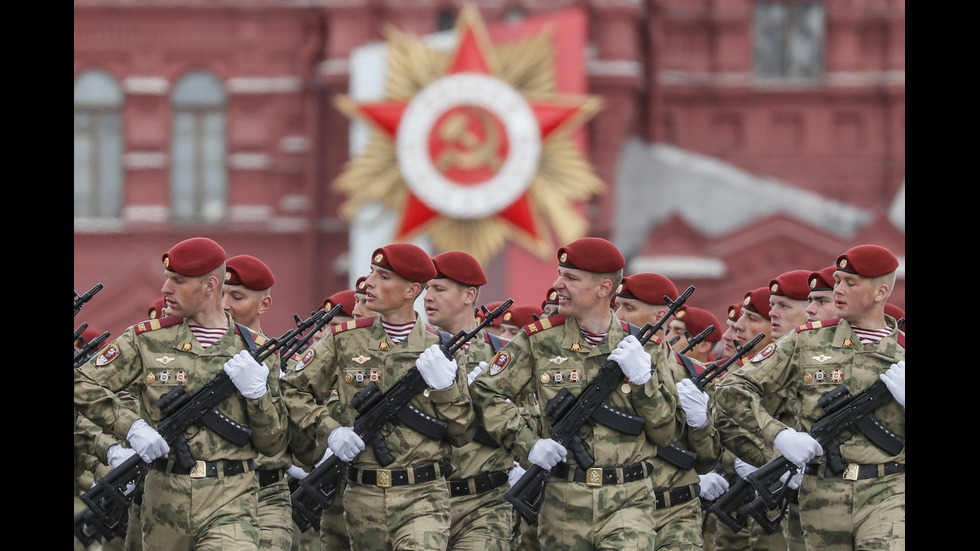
(544, 324)
(259, 338)
(156, 324)
(817, 325)
(359, 323)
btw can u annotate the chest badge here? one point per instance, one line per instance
(165, 359)
(545, 377)
(360, 359)
(558, 360)
(383, 345)
(822, 358)
(186, 346)
(576, 347)
(848, 343)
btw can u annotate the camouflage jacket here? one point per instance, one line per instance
(156, 356)
(807, 363)
(347, 360)
(551, 354)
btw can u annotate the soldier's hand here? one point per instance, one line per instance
(297, 472)
(695, 403)
(713, 485)
(472, 375)
(635, 362)
(345, 443)
(248, 375)
(743, 469)
(515, 474)
(797, 447)
(438, 371)
(894, 379)
(117, 455)
(546, 453)
(146, 441)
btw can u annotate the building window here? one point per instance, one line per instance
(789, 39)
(98, 145)
(199, 174)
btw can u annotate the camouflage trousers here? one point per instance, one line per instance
(333, 527)
(203, 514)
(794, 529)
(678, 527)
(751, 537)
(864, 514)
(275, 516)
(410, 517)
(527, 535)
(575, 516)
(482, 522)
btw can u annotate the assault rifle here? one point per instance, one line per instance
(318, 490)
(571, 413)
(109, 499)
(80, 300)
(91, 347)
(697, 339)
(843, 413)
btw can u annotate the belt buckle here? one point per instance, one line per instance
(851, 471)
(199, 470)
(593, 476)
(383, 478)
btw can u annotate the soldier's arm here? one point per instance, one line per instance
(496, 391)
(306, 389)
(267, 416)
(99, 386)
(453, 405)
(657, 402)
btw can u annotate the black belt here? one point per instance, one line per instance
(477, 484)
(601, 476)
(853, 471)
(268, 476)
(399, 477)
(204, 469)
(676, 496)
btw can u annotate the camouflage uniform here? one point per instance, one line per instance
(835, 512)
(544, 358)
(409, 516)
(275, 508)
(481, 518)
(181, 511)
(678, 514)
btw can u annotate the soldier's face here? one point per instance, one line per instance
(728, 339)
(749, 325)
(854, 296)
(386, 290)
(244, 305)
(184, 295)
(820, 306)
(445, 301)
(676, 329)
(785, 314)
(509, 331)
(360, 310)
(577, 292)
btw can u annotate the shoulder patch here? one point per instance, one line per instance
(546, 323)
(306, 359)
(153, 325)
(766, 352)
(108, 354)
(499, 362)
(359, 323)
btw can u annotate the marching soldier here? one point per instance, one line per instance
(820, 299)
(688, 322)
(615, 507)
(643, 298)
(214, 503)
(862, 507)
(550, 303)
(404, 504)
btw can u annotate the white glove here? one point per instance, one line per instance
(797, 479)
(894, 379)
(744, 469)
(635, 362)
(248, 375)
(475, 373)
(297, 473)
(546, 453)
(515, 474)
(712, 486)
(438, 371)
(146, 441)
(695, 403)
(798, 447)
(117, 455)
(345, 443)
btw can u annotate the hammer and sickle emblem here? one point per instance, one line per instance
(465, 149)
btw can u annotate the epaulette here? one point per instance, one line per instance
(809, 326)
(358, 323)
(153, 325)
(546, 323)
(259, 338)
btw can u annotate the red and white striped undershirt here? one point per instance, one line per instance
(398, 333)
(206, 335)
(592, 338)
(869, 336)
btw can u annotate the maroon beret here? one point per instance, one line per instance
(792, 284)
(156, 309)
(867, 261)
(361, 285)
(461, 267)
(758, 301)
(88, 335)
(822, 280)
(491, 307)
(344, 298)
(249, 272)
(697, 320)
(194, 257)
(520, 315)
(550, 298)
(591, 254)
(407, 260)
(648, 287)
(734, 312)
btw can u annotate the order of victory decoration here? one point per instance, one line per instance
(473, 147)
